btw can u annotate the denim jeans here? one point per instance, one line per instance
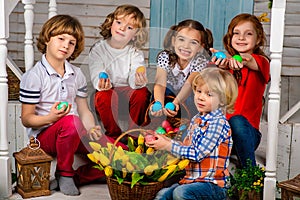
(189, 102)
(246, 139)
(192, 191)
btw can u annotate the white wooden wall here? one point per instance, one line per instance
(290, 74)
(17, 139)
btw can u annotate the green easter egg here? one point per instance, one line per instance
(61, 104)
(160, 130)
(238, 58)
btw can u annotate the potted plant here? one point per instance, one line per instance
(247, 182)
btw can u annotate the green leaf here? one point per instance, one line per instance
(156, 174)
(135, 178)
(98, 167)
(105, 151)
(119, 179)
(130, 144)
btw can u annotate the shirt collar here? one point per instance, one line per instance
(209, 115)
(50, 70)
(176, 70)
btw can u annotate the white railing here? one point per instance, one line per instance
(276, 48)
(6, 7)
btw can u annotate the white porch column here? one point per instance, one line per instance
(28, 47)
(52, 8)
(276, 47)
(5, 162)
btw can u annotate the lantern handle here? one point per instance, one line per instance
(34, 143)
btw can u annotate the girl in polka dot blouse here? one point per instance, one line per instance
(186, 52)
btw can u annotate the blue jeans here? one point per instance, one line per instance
(192, 191)
(246, 139)
(189, 102)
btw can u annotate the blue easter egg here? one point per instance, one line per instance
(182, 127)
(170, 106)
(103, 75)
(220, 54)
(156, 106)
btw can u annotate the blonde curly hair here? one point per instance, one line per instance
(222, 82)
(139, 22)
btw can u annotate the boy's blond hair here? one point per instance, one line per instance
(220, 82)
(139, 22)
(62, 24)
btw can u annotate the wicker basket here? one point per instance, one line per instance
(138, 192)
(174, 121)
(13, 84)
(124, 191)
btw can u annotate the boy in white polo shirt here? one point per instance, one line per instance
(51, 81)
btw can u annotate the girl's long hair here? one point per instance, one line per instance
(261, 37)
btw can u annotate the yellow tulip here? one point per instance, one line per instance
(141, 139)
(171, 168)
(95, 146)
(108, 171)
(183, 163)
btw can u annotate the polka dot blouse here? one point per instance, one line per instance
(177, 77)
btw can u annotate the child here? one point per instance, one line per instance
(51, 81)
(119, 56)
(245, 36)
(186, 46)
(208, 142)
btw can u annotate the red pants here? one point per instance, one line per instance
(63, 139)
(107, 104)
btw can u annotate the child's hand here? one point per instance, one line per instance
(171, 113)
(249, 61)
(56, 114)
(222, 63)
(158, 113)
(95, 133)
(234, 64)
(141, 78)
(161, 143)
(104, 84)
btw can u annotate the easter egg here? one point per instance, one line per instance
(141, 69)
(182, 127)
(160, 130)
(237, 58)
(170, 106)
(103, 75)
(149, 138)
(165, 124)
(62, 104)
(169, 129)
(156, 106)
(220, 54)
(176, 129)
